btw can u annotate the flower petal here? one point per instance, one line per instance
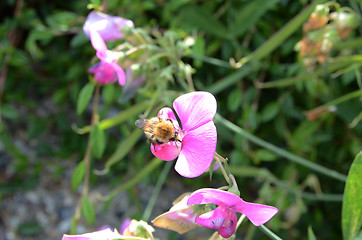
(216, 196)
(166, 152)
(103, 72)
(120, 73)
(98, 43)
(198, 150)
(109, 27)
(228, 227)
(195, 109)
(258, 214)
(106, 234)
(213, 219)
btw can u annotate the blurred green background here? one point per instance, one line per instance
(44, 57)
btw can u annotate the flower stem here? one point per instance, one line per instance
(268, 232)
(219, 159)
(156, 191)
(87, 159)
(281, 152)
(240, 221)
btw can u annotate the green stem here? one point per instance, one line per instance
(150, 167)
(117, 119)
(279, 37)
(87, 158)
(280, 151)
(265, 174)
(242, 217)
(269, 233)
(218, 158)
(344, 98)
(210, 60)
(156, 191)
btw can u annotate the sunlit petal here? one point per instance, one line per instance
(97, 42)
(120, 73)
(258, 214)
(216, 196)
(106, 234)
(198, 149)
(109, 27)
(195, 109)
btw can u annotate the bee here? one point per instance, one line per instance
(158, 131)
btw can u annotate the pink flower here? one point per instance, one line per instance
(223, 217)
(107, 71)
(125, 225)
(195, 153)
(109, 27)
(106, 234)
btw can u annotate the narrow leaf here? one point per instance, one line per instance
(108, 93)
(88, 210)
(124, 148)
(249, 14)
(311, 235)
(203, 20)
(352, 200)
(98, 141)
(84, 97)
(78, 175)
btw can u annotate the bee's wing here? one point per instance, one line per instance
(142, 123)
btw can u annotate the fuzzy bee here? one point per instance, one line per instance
(158, 131)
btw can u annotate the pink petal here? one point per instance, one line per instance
(98, 43)
(166, 152)
(167, 113)
(106, 234)
(216, 196)
(103, 72)
(213, 219)
(258, 214)
(125, 225)
(229, 225)
(195, 109)
(198, 150)
(109, 27)
(120, 73)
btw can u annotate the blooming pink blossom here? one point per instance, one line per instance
(223, 217)
(109, 27)
(106, 234)
(107, 70)
(198, 136)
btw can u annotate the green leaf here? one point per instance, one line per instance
(234, 100)
(88, 210)
(124, 148)
(108, 93)
(199, 50)
(98, 141)
(78, 175)
(311, 235)
(352, 200)
(202, 19)
(85, 96)
(265, 155)
(249, 14)
(73, 226)
(270, 111)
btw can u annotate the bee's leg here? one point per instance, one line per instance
(154, 148)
